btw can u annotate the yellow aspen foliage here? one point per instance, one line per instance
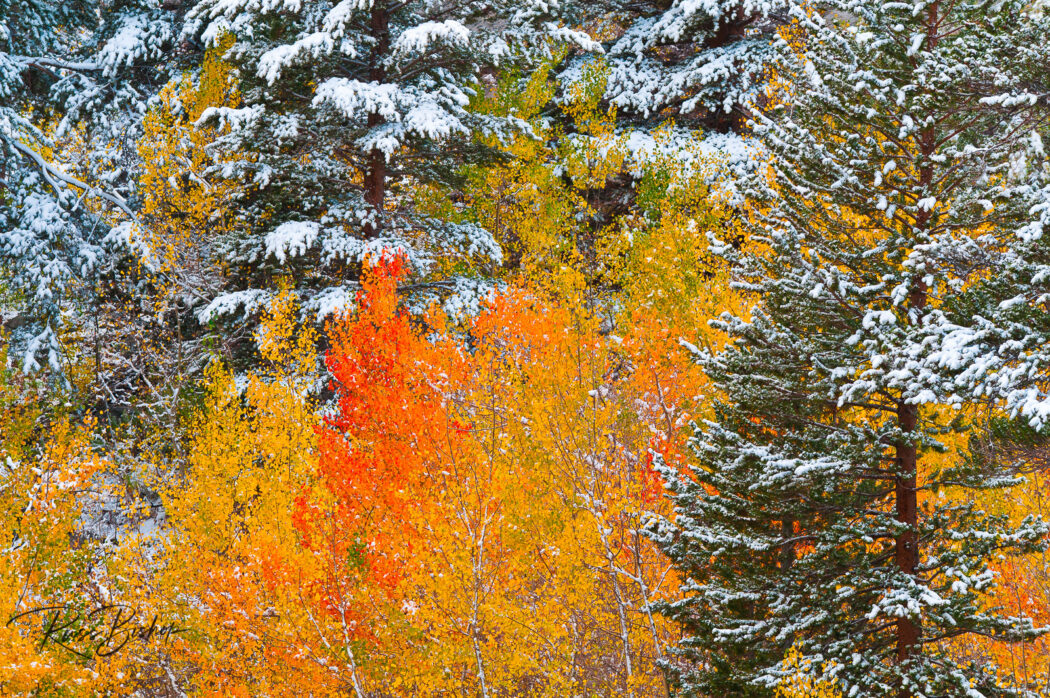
(183, 207)
(660, 257)
(602, 153)
(526, 201)
(46, 466)
(799, 684)
(579, 212)
(229, 566)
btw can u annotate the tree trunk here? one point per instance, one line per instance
(907, 549)
(909, 632)
(375, 168)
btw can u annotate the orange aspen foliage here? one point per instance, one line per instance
(1023, 588)
(480, 496)
(468, 518)
(388, 404)
(364, 515)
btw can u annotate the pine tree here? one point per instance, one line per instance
(704, 63)
(995, 337)
(347, 108)
(829, 511)
(74, 81)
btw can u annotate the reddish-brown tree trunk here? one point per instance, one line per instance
(375, 167)
(907, 549)
(375, 181)
(909, 632)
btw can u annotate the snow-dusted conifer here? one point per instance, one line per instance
(346, 106)
(821, 512)
(994, 341)
(70, 71)
(704, 63)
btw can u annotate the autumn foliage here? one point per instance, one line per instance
(479, 498)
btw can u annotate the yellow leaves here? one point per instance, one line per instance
(19, 411)
(799, 684)
(536, 569)
(597, 152)
(44, 562)
(182, 204)
(289, 347)
(544, 206)
(521, 96)
(584, 97)
(660, 258)
(222, 567)
(780, 87)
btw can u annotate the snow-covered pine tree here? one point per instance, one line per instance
(703, 63)
(995, 338)
(678, 69)
(346, 107)
(74, 80)
(824, 510)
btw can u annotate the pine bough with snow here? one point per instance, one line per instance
(703, 65)
(76, 72)
(703, 62)
(820, 513)
(348, 106)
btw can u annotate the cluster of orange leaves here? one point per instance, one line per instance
(1022, 589)
(466, 519)
(371, 454)
(479, 494)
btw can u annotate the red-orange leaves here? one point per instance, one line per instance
(475, 517)
(363, 513)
